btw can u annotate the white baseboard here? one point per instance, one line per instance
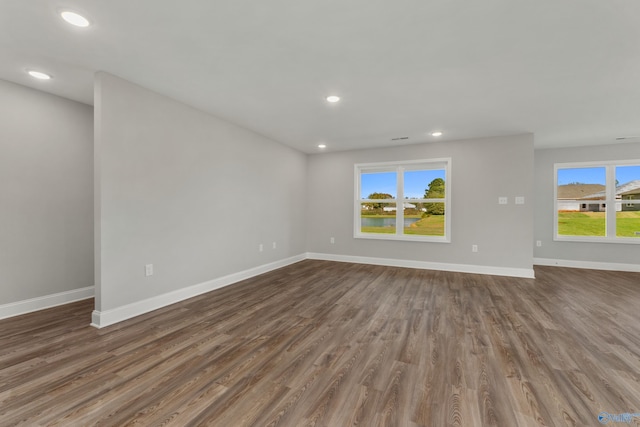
(426, 265)
(40, 303)
(100, 319)
(591, 265)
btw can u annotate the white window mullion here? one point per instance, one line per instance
(447, 203)
(400, 203)
(611, 202)
(357, 206)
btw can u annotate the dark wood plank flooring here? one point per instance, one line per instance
(338, 344)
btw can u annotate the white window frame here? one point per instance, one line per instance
(399, 168)
(610, 201)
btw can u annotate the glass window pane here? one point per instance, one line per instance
(582, 184)
(382, 190)
(378, 218)
(626, 175)
(628, 201)
(424, 184)
(585, 223)
(421, 223)
(628, 222)
(378, 185)
(581, 211)
(627, 188)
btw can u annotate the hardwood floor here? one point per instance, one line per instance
(338, 344)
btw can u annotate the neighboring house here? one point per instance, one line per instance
(393, 208)
(628, 191)
(594, 207)
(570, 196)
(573, 198)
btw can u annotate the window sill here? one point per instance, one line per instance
(579, 239)
(403, 238)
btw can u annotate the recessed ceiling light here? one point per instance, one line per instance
(436, 133)
(39, 75)
(74, 18)
(322, 145)
(333, 98)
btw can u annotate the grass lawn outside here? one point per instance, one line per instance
(378, 230)
(429, 226)
(628, 224)
(582, 223)
(569, 224)
(594, 224)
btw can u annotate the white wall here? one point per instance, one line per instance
(482, 170)
(46, 194)
(586, 254)
(187, 192)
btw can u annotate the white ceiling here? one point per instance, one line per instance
(566, 70)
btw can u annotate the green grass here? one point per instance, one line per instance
(594, 224)
(379, 230)
(569, 224)
(582, 223)
(430, 226)
(627, 224)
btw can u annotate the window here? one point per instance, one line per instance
(403, 200)
(598, 202)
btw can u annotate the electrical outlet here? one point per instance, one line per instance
(148, 270)
(538, 243)
(502, 200)
(274, 245)
(474, 248)
(519, 200)
(260, 247)
(332, 240)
